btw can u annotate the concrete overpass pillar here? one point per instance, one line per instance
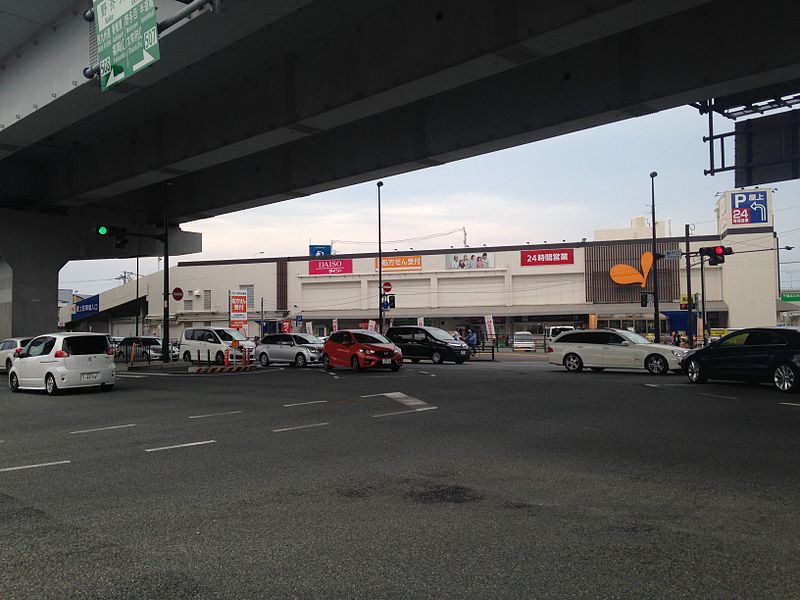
(29, 293)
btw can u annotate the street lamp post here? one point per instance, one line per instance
(380, 263)
(656, 313)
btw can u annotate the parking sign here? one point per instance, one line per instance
(749, 207)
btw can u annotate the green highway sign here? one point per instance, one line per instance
(790, 296)
(127, 38)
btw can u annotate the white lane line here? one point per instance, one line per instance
(232, 412)
(304, 403)
(50, 464)
(102, 429)
(121, 376)
(405, 412)
(423, 372)
(300, 427)
(790, 403)
(180, 446)
(716, 396)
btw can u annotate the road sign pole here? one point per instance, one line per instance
(689, 337)
(380, 263)
(703, 295)
(166, 351)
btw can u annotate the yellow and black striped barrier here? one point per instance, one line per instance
(229, 369)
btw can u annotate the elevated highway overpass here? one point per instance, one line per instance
(269, 101)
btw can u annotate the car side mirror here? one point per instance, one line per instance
(625, 343)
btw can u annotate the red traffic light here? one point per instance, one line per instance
(719, 250)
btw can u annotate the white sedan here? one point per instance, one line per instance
(600, 349)
(56, 361)
(7, 349)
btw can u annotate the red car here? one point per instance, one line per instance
(360, 349)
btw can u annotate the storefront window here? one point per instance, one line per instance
(627, 323)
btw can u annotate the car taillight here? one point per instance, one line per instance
(550, 349)
(19, 351)
(61, 354)
(110, 351)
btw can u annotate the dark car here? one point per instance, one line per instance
(428, 343)
(145, 347)
(755, 355)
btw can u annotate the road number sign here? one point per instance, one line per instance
(177, 294)
(387, 287)
(127, 38)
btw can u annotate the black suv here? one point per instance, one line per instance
(428, 343)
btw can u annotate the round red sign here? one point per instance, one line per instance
(387, 287)
(177, 293)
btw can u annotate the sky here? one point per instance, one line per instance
(563, 188)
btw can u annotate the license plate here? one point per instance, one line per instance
(463, 352)
(387, 361)
(90, 376)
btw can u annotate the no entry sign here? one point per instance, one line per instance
(387, 287)
(177, 294)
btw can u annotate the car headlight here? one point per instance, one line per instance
(367, 351)
(678, 353)
(397, 350)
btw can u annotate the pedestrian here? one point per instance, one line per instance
(472, 341)
(676, 340)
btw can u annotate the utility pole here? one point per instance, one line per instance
(703, 296)
(166, 350)
(689, 337)
(656, 312)
(138, 309)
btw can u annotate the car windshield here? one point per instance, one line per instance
(523, 337)
(440, 334)
(634, 337)
(372, 337)
(308, 339)
(228, 335)
(86, 344)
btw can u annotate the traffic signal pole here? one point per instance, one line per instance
(703, 296)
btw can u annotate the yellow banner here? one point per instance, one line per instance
(401, 263)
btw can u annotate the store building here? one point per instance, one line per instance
(530, 287)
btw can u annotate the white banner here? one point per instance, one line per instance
(371, 325)
(420, 321)
(335, 325)
(489, 326)
(310, 327)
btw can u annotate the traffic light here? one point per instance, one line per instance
(390, 297)
(118, 233)
(716, 254)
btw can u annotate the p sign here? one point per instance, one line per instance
(749, 207)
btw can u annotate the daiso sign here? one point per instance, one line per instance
(330, 266)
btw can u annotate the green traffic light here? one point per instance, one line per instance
(102, 230)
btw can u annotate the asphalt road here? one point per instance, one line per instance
(485, 480)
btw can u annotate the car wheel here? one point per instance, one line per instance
(263, 359)
(395, 367)
(785, 377)
(459, 361)
(50, 385)
(573, 363)
(415, 360)
(326, 362)
(695, 372)
(13, 382)
(187, 356)
(106, 387)
(437, 359)
(8, 365)
(145, 355)
(598, 369)
(355, 365)
(656, 364)
(300, 360)
(220, 358)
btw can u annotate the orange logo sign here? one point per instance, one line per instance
(626, 274)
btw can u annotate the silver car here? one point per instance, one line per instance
(298, 349)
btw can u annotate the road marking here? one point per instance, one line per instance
(423, 372)
(300, 427)
(405, 412)
(180, 446)
(131, 376)
(716, 396)
(102, 429)
(232, 412)
(305, 403)
(50, 464)
(790, 403)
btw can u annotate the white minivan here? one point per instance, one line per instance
(524, 340)
(212, 342)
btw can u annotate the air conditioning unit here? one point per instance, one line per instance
(196, 292)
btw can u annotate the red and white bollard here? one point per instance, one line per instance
(227, 358)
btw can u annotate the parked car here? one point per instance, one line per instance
(7, 348)
(57, 361)
(524, 340)
(601, 349)
(298, 349)
(212, 342)
(762, 354)
(147, 347)
(361, 349)
(428, 343)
